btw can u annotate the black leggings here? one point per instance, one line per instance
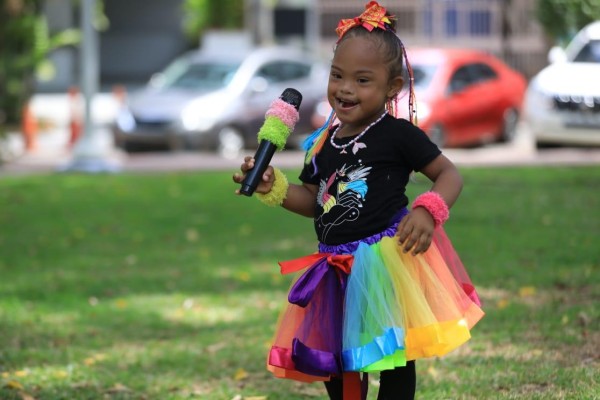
(395, 384)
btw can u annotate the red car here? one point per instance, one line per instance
(464, 97)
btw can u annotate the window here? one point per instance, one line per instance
(460, 79)
(291, 71)
(589, 53)
(451, 22)
(482, 72)
(471, 74)
(479, 22)
(422, 74)
(198, 75)
(282, 71)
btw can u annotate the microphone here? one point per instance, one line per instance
(280, 120)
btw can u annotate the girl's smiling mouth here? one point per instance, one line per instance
(346, 104)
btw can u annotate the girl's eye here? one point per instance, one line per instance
(362, 80)
(335, 75)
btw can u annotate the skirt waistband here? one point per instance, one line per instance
(350, 247)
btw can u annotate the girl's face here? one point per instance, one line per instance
(359, 84)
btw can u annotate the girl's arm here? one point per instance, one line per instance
(300, 199)
(415, 231)
(445, 177)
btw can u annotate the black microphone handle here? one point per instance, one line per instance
(262, 158)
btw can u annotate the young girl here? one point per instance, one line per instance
(386, 286)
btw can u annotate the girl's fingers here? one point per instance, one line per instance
(408, 244)
(248, 164)
(415, 243)
(402, 231)
(418, 248)
(422, 244)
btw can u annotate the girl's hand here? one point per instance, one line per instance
(266, 182)
(415, 231)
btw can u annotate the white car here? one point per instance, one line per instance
(562, 103)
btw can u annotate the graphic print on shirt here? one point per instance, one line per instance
(342, 196)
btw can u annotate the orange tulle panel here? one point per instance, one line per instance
(438, 313)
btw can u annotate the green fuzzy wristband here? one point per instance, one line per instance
(278, 191)
(275, 131)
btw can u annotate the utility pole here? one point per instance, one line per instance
(506, 31)
(88, 155)
(313, 27)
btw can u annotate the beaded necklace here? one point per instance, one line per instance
(356, 145)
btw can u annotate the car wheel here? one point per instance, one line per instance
(545, 145)
(230, 142)
(437, 135)
(120, 144)
(509, 125)
(129, 147)
(175, 143)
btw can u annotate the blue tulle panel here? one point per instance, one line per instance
(373, 324)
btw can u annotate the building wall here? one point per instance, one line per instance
(506, 28)
(60, 15)
(143, 37)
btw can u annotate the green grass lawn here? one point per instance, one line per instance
(165, 286)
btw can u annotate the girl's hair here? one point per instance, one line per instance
(378, 25)
(390, 47)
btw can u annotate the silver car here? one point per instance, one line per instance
(217, 101)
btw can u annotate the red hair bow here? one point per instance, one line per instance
(373, 17)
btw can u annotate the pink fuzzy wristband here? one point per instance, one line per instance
(435, 205)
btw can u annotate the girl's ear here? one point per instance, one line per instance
(395, 86)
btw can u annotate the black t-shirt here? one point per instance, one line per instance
(359, 193)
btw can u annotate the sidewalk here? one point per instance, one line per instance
(53, 155)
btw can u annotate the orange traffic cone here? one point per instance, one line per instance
(120, 94)
(29, 127)
(75, 123)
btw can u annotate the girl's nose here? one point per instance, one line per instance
(346, 87)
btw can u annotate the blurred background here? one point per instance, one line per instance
(178, 74)
(161, 285)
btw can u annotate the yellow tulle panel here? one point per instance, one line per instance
(435, 308)
(436, 340)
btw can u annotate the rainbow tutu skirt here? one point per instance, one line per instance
(366, 306)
